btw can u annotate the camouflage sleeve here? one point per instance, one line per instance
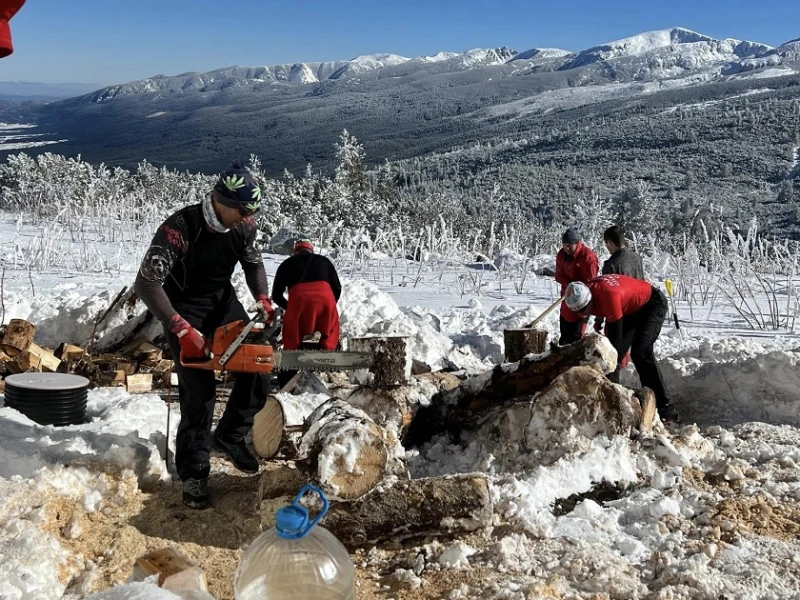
(252, 263)
(168, 246)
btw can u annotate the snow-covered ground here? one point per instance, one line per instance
(18, 136)
(708, 511)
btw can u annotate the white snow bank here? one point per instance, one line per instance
(125, 432)
(458, 338)
(34, 562)
(735, 380)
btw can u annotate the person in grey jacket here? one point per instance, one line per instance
(623, 261)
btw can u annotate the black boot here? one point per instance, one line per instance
(195, 493)
(238, 453)
(669, 414)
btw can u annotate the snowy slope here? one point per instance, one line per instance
(677, 47)
(540, 53)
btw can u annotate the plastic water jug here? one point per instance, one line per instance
(296, 560)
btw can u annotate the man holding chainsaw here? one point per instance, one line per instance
(635, 311)
(185, 281)
(574, 262)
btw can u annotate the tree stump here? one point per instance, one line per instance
(344, 450)
(391, 364)
(521, 342)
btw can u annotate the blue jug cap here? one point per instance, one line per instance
(291, 521)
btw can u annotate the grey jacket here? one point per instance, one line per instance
(624, 262)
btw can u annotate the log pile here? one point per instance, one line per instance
(138, 366)
(466, 406)
(353, 447)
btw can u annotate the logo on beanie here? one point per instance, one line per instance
(234, 183)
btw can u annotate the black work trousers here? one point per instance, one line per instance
(639, 333)
(571, 331)
(197, 390)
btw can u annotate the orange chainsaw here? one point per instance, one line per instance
(241, 347)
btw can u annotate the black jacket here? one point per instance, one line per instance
(304, 267)
(187, 269)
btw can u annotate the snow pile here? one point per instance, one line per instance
(125, 432)
(714, 515)
(64, 313)
(738, 380)
(461, 339)
(35, 564)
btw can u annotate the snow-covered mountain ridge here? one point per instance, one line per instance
(655, 54)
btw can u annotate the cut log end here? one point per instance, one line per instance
(268, 429)
(359, 469)
(19, 335)
(345, 450)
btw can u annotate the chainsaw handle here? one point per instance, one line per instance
(207, 363)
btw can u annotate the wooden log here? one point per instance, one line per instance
(344, 450)
(126, 365)
(268, 427)
(391, 363)
(519, 343)
(69, 352)
(19, 335)
(2, 386)
(464, 406)
(647, 400)
(161, 372)
(413, 507)
(147, 354)
(136, 384)
(393, 408)
(47, 360)
(113, 378)
(278, 427)
(24, 362)
(4, 360)
(584, 399)
(175, 572)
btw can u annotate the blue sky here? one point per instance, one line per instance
(114, 41)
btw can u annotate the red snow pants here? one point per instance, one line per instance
(311, 308)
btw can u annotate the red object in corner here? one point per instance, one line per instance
(8, 8)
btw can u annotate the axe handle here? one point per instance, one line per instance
(533, 323)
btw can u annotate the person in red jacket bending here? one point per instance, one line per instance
(314, 290)
(8, 8)
(634, 311)
(574, 262)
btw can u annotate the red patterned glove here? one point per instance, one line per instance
(264, 306)
(193, 345)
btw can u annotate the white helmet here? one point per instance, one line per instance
(578, 296)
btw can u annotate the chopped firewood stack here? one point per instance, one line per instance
(138, 367)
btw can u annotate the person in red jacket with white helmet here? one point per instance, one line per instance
(574, 262)
(8, 8)
(634, 311)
